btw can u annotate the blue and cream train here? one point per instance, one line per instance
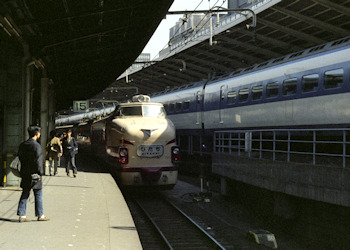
(306, 89)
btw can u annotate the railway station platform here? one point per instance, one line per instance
(87, 212)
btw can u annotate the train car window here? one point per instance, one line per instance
(309, 83)
(186, 105)
(171, 107)
(257, 92)
(243, 95)
(178, 106)
(333, 78)
(272, 89)
(289, 86)
(131, 111)
(153, 111)
(231, 97)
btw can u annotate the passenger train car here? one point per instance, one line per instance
(138, 141)
(306, 89)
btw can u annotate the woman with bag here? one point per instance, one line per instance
(53, 149)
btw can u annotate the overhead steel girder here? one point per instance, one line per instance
(174, 70)
(289, 31)
(313, 21)
(146, 75)
(55, 43)
(238, 54)
(76, 57)
(223, 59)
(270, 40)
(207, 64)
(194, 67)
(68, 17)
(166, 75)
(192, 74)
(254, 48)
(78, 48)
(333, 6)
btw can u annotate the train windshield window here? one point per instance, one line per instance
(289, 86)
(153, 110)
(243, 95)
(310, 83)
(231, 97)
(130, 111)
(333, 78)
(272, 89)
(257, 92)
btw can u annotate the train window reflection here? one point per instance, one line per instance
(231, 97)
(289, 86)
(243, 95)
(272, 89)
(153, 110)
(257, 92)
(310, 83)
(333, 78)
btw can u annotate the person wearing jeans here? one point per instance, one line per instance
(31, 157)
(22, 206)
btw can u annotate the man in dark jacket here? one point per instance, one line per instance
(70, 149)
(31, 156)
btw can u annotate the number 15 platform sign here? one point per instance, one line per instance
(80, 106)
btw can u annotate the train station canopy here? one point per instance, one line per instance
(282, 27)
(83, 45)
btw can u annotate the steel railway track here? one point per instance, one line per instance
(174, 229)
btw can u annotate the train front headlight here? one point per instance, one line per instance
(123, 152)
(175, 154)
(123, 155)
(176, 150)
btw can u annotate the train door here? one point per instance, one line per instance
(222, 101)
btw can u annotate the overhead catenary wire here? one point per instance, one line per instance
(176, 32)
(204, 18)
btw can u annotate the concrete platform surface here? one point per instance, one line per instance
(87, 212)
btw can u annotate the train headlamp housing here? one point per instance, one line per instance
(123, 155)
(176, 150)
(123, 151)
(175, 154)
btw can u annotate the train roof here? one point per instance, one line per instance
(273, 62)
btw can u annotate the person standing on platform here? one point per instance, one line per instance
(61, 161)
(31, 157)
(70, 149)
(54, 149)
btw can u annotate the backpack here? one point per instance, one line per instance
(15, 167)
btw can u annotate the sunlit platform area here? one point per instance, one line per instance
(86, 212)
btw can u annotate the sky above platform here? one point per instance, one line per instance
(160, 38)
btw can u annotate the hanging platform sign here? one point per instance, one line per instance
(80, 106)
